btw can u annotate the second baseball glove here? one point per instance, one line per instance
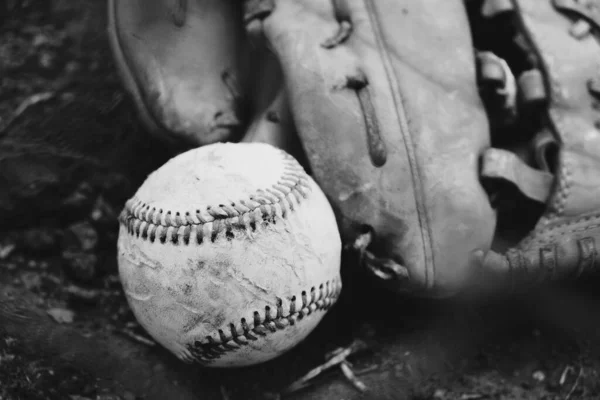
(551, 156)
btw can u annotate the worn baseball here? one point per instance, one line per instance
(229, 254)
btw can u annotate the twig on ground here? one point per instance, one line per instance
(563, 377)
(85, 294)
(347, 371)
(330, 354)
(137, 338)
(366, 370)
(336, 357)
(471, 396)
(31, 100)
(575, 383)
(25, 104)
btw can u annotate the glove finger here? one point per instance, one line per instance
(181, 61)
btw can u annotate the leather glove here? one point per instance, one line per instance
(384, 97)
(548, 161)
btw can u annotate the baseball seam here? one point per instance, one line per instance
(210, 222)
(206, 223)
(212, 349)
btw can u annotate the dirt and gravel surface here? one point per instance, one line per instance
(72, 151)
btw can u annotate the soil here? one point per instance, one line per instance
(66, 331)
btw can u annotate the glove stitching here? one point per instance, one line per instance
(539, 252)
(376, 144)
(568, 232)
(360, 84)
(562, 192)
(148, 223)
(521, 262)
(587, 10)
(211, 348)
(564, 179)
(399, 102)
(559, 227)
(179, 227)
(343, 33)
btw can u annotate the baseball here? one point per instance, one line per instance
(229, 254)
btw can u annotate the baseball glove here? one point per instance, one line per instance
(193, 75)
(384, 98)
(548, 161)
(182, 63)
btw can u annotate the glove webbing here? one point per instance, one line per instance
(558, 248)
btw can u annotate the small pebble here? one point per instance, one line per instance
(39, 39)
(103, 212)
(6, 250)
(83, 294)
(48, 60)
(539, 376)
(61, 315)
(31, 280)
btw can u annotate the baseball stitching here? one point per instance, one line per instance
(148, 223)
(211, 349)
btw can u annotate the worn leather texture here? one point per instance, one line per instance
(560, 38)
(384, 99)
(180, 61)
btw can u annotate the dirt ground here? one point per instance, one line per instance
(71, 153)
